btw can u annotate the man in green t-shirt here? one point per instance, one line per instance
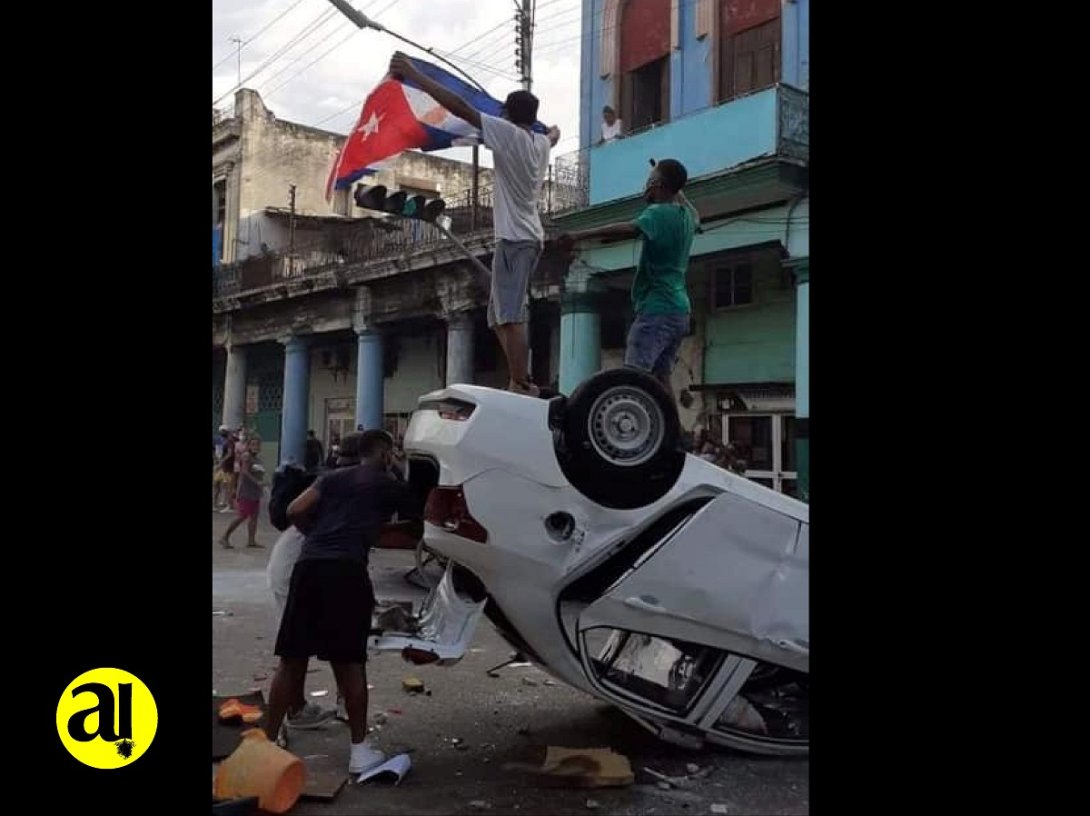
(660, 298)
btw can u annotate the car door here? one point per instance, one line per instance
(725, 591)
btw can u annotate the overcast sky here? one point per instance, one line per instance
(314, 67)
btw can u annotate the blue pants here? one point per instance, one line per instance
(654, 342)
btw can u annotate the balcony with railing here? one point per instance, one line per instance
(769, 123)
(359, 242)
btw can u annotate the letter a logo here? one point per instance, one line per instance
(107, 718)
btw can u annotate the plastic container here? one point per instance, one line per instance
(260, 768)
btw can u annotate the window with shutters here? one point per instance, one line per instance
(749, 47)
(645, 95)
(644, 63)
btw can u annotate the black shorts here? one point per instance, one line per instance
(328, 612)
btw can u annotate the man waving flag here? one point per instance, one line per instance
(398, 115)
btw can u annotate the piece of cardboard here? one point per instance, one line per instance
(324, 784)
(586, 767)
(227, 736)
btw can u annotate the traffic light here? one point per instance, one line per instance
(416, 207)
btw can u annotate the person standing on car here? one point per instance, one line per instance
(660, 296)
(330, 599)
(521, 158)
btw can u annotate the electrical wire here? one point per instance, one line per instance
(265, 28)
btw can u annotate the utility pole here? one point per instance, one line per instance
(524, 40)
(238, 41)
(291, 232)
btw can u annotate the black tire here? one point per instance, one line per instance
(620, 441)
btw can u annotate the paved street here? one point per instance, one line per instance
(509, 719)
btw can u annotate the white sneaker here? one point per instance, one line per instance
(364, 757)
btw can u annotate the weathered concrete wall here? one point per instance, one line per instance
(270, 155)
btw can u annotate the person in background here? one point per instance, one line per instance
(219, 478)
(312, 459)
(334, 451)
(251, 485)
(229, 467)
(611, 125)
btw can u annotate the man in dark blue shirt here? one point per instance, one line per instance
(330, 599)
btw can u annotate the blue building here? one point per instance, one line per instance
(722, 86)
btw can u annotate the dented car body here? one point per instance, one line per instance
(690, 611)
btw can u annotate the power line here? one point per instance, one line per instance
(317, 23)
(325, 54)
(340, 27)
(265, 28)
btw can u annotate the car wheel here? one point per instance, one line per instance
(621, 439)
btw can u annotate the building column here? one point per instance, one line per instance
(460, 348)
(580, 331)
(802, 377)
(293, 421)
(370, 382)
(234, 388)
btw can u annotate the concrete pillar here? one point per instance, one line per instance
(580, 339)
(460, 348)
(802, 377)
(370, 382)
(293, 422)
(234, 388)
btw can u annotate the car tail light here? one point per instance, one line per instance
(447, 508)
(453, 409)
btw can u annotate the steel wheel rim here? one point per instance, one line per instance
(626, 426)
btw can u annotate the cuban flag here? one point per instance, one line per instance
(398, 116)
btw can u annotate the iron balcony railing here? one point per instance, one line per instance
(376, 239)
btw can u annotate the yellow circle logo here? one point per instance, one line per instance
(107, 718)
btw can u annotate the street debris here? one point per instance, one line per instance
(592, 804)
(529, 681)
(692, 768)
(260, 677)
(412, 685)
(259, 768)
(668, 781)
(550, 682)
(718, 808)
(233, 710)
(394, 710)
(222, 613)
(663, 785)
(380, 719)
(319, 693)
(480, 804)
(580, 768)
(392, 770)
(397, 619)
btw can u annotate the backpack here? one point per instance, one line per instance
(288, 484)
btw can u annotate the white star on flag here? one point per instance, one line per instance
(370, 126)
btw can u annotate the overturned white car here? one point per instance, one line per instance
(647, 577)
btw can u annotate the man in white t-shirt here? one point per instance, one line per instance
(611, 125)
(521, 158)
